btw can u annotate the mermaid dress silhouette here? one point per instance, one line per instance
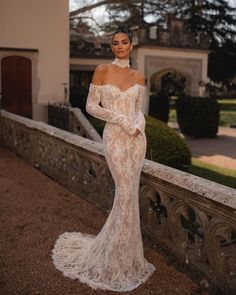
(114, 259)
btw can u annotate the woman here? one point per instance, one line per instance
(114, 259)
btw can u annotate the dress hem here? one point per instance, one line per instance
(95, 285)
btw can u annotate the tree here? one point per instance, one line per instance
(217, 20)
(222, 63)
(128, 12)
(141, 13)
(214, 18)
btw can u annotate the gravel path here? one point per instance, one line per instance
(34, 210)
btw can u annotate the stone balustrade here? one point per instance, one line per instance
(80, 125)
(192, 217)
(71, 119)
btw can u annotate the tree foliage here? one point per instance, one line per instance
(214, 18)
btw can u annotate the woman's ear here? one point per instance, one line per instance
(112, 50)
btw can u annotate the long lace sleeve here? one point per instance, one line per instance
(94, 109)
(140, 119)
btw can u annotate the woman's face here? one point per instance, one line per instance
(121, 45)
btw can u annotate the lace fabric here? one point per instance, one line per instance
(121, 63)
(114, 259)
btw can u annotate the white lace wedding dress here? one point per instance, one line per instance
(114, 259)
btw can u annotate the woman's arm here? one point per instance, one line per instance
(93, 107)
(140, 119)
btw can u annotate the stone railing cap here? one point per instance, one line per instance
(58, 133)
(206, 188)
(201, 186)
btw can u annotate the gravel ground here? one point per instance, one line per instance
(34, 210)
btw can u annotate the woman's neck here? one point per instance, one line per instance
(122, 63)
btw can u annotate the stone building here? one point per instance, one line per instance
(156, 54)
(34, 55)
(35, 63)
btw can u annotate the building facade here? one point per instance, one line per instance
(156, 53)
(34, 55)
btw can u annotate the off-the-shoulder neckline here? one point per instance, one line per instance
(123, 91)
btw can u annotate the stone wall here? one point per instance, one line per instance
(193, 217)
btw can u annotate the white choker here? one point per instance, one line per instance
(122, 63)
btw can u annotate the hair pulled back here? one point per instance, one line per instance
(123, 30)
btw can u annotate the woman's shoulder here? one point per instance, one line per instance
(99, 74)
(139, 77)
(102, 68)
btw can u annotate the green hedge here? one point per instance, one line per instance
(164, 145)
(198, 116)
(159, 106)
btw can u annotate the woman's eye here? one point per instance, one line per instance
(123, 42)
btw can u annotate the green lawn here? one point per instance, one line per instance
(227, 112)
(227, 118)
(172, 115)
(215, 173)
(227, 104)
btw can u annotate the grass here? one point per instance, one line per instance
(227, 118)
(215, 173)
(172, 115)
(227, 112)
(227, 104)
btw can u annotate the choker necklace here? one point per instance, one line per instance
(122, 63)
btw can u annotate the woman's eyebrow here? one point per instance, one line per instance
(121, 40)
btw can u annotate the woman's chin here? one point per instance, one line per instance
(122, 56)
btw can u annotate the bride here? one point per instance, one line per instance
(114, 259)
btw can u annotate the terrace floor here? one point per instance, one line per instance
(34, 211)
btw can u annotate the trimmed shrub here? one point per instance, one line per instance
(198, 116)
(164, 145)
(159, 106)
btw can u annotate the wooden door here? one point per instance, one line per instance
(16, 73)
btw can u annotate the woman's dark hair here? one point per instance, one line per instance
(124, 31)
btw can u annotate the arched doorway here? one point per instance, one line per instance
(173, 84)
(170, 82)
(16, 74)
(165, 86)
